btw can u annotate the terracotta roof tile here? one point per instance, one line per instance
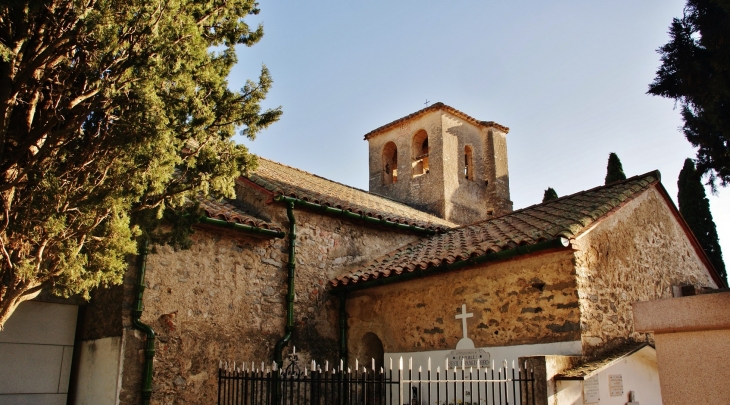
(564, 217)
(229, 211)
(588, 368)
(434, 107)
(280, 179)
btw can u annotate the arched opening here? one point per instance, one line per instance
(372, 348)
(419, 152)
(390, 163)
(468, 163)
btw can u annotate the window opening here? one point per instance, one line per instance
(419, 152)
(468, 163)
(390, 163)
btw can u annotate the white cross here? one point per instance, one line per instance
(463, 315)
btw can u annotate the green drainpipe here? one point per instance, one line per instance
(149, 350)
(343, 327)
(352, 215)
(284, 341)
(241, 227)
(489, 257)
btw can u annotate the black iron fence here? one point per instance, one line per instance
(247, 384)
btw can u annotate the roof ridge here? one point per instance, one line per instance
(323, 178)
(429, 218)
(656, 173)
(352, 187)
(436, 106)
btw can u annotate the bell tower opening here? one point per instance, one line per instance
(390, 163)
(419, 153)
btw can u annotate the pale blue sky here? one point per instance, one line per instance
(569, 78)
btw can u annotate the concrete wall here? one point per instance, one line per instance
(225, 299)
(692, 336)
(634, 254)
(36, 349)
(638, 373)
(524, 301)
(98, 372)
(445, 191)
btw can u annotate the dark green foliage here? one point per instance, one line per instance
(550, 194)
(695, 209)
(614, 170)
(695, 72)
(113, 115)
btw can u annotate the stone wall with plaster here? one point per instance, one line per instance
(527, 300)
(225, 299)
(634, 254)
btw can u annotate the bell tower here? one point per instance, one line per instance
(444, 162)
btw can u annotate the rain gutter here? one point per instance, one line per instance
(559, 243)
(352, 215)
(149, 350)
(242, 227)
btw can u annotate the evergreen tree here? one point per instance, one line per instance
(695, 72)
(695, 209)
(614, 170)
(113, 115)
(550, 194)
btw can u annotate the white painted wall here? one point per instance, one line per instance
(99, 372)
(497, 354)
(639, 374)
(36, 350)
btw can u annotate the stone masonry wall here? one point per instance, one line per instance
(635, 254)
(521, 301)
(225, 299)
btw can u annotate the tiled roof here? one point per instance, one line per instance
(434, 107)
(227, 210)
(564, 217)
(283, 180)
(589, 368)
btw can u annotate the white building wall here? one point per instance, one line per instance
(98, 380)
(639, 373)
(36, 350)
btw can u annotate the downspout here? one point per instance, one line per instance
(284, 341)
(343, 327)
(149, 350)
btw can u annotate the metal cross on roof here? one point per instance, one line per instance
(426, 102)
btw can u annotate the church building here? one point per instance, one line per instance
(431, 259)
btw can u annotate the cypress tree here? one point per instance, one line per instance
(614, 170)
(550, 194)
(695, 209)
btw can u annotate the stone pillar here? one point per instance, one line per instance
(545, 369)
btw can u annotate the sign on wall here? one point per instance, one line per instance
(616, 385)
(469, 358)
(591, 394)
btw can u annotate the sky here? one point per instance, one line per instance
(569, 78)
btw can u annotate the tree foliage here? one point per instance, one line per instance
(695, 72)
(113, 113)
(614, 169)
(695, 209)
(550, 194)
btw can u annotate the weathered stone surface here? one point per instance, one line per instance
(445, 190)
(419, 314)
(224, 299)
(636, 254)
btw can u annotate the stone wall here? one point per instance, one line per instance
(635, 254)
(527, 300)
(225, 299)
